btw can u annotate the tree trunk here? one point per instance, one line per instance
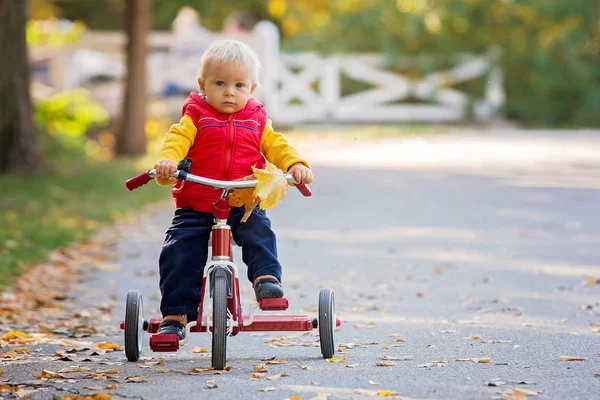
(18, 142)
(132, 138)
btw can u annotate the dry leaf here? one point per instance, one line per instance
(269, 191)
(352, 365)
(257, 375)
(337, 360)
(373, 382)
(260, 368)
(137, 379)
(480, 360)
(108, 346)
(386, 393)
(107, 371)
(571, 358)
(267, 389)
(212, 384)
(385, 363)
(277, 376)
(302, 366)
(402, 358)
(525, 392)
(199, 349)
(273, 362)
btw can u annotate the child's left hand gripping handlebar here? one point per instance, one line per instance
(145, 177)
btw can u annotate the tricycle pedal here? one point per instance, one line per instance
(164, 342)
(273, 304)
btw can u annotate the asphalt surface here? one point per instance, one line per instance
(444, 268)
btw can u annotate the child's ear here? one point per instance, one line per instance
(253, 88)
(201, 84)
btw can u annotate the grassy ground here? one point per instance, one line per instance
(49, 210)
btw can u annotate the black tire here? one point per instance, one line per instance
(219, 332)
(326, 322)
(134, 325)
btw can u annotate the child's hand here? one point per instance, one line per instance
(165, 168)
(301, 173)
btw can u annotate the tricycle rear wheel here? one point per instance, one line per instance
(326, 322)
(219, 323)
(134, 325)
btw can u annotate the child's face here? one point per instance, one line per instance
(227, 88)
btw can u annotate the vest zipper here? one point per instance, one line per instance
(230, 147)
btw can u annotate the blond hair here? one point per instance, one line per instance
(234, 51)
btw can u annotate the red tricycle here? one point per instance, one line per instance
(221, 283)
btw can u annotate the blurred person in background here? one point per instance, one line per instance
(190, 40)
(238, 23)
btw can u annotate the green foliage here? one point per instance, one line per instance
(44, 212)
(550, 48)
(64, 119)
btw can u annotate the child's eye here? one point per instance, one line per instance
(220, 83)
(240, 85)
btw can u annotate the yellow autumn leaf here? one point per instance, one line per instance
(336, 359)
(14, 335)
(96, 396)
(480, 360)
(269, 191)
(386, 393)
(199, 349)
(108, 346)
(571, 358)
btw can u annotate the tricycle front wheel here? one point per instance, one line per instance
(134, 325)
(219, 323)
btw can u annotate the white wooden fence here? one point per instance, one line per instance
(301, 87)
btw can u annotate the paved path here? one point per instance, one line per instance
(445, 265)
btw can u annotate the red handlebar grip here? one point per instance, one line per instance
(305, 190)
(139, 180)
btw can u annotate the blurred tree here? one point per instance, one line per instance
(18, 142)
(132, 137)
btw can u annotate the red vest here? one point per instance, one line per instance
(226, 147)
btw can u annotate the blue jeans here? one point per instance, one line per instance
(185, 252)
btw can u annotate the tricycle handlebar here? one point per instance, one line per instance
(145, 177)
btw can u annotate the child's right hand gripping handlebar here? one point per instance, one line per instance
(145, 177)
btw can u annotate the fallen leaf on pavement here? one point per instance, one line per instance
(260, 368)
(386, 393)
(267, 389)
(107, 371)
(385, 363)
(212, 384)
(137, 379)
(525, 392)
(96, 396)
(373, 382)
(302, 366)
(108, 346)
(257, 375)
(273, 362)
(352, 365)
(402, 358)
(277, 376)
(571, 358)
(480, 360)
(337, 360)
(198, 349)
